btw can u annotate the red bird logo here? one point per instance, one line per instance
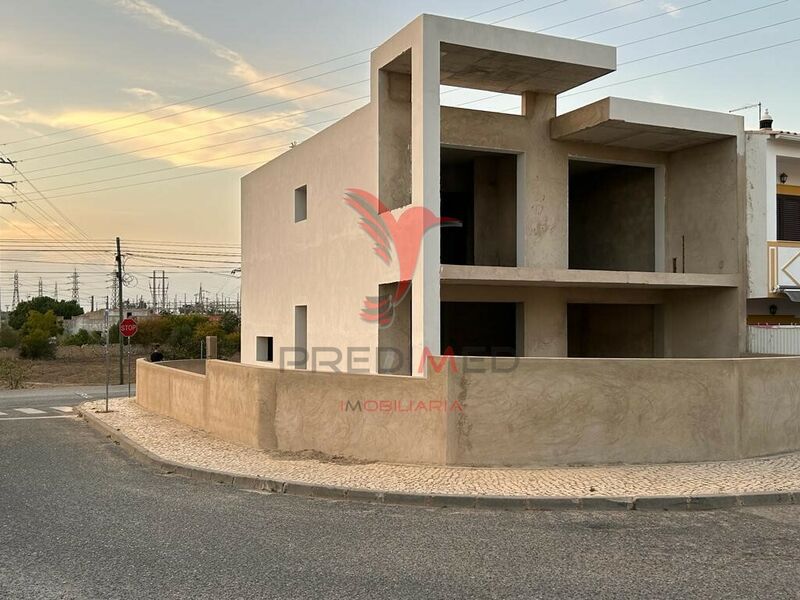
(404, 234)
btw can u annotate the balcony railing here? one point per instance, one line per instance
(784, 266)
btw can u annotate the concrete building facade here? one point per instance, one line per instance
(410, 229)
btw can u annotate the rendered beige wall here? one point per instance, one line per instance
(516, 412)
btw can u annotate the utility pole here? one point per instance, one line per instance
(41, 288)
(55, 291)
(119, 291)
(11, 204)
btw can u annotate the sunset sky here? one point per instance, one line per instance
(100, 97)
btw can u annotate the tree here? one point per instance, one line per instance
(37, 332)
(61, 308)
(230, 322)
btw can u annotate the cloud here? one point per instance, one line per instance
(240, 68)
(8, 98)
(171, 134)
(143, 94)
(672, 9)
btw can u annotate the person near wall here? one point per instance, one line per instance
(156, 355)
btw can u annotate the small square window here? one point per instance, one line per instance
(301, 204)
(264, 348)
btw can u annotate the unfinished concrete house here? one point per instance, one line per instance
(612, 231)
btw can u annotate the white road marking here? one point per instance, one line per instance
(64, 409)
(36, 418)
(2, 414)
(30, 411)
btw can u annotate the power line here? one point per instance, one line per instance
(212, 119)
(229, 89)
(719, 39)
(205, 135)
(717, 20)
(196, 108)
(642, 20)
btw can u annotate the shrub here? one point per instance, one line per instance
(82, 338)
(8, 337)
(13, 373)
(229, 322)
(45, 322)
(36, 344)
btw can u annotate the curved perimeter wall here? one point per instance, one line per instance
(501, 412)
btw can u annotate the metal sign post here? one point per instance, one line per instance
(128, 328)
(129, 367)
(107, 331)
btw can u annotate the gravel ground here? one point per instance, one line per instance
(179, 443)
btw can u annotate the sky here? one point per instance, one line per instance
(115, 111)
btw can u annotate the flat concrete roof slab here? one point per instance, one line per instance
(479, 68)
(498, 59)
(643, 125)
(543, 277)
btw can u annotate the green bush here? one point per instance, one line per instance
(36, 344)
(82, 338)
(230, 322)
(13, 373)
(8, 337)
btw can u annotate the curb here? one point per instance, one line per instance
(533, 503)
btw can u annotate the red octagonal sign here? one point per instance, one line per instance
(128, 327)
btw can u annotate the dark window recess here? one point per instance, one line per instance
(789, 218)
(264, 348)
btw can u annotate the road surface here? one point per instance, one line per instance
(80, 519)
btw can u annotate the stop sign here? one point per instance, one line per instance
(128, 327)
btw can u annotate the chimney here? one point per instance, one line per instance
(766, 120)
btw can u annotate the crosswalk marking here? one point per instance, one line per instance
(64, 409)
(30, 411)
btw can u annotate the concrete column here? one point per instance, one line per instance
(543, 206)
(545, 323)
(211, 346)
(425, 160)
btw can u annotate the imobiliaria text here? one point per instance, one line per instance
(400, 406)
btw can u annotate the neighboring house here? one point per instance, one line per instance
(773, 232)
(613, 230)
(95, 320)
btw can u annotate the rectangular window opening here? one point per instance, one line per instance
(612, 216)
(301, 337)
(264, 348)
(301, 204)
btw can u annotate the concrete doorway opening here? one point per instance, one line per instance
(481, 328)
(479, 188)
(611, 330)
(394, 336)
(612, 216)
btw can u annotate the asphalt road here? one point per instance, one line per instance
(46, 401)
(80, 519)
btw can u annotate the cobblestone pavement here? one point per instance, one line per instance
(176, 442)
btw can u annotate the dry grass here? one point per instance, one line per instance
(75, 365)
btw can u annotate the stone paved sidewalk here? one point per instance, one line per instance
(176, 442)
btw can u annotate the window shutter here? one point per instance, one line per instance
(789, 218)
